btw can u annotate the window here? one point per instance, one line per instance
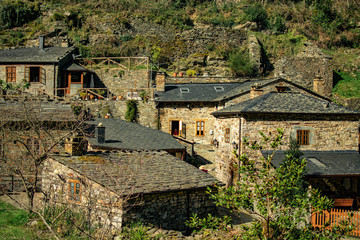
(200, 128)
(302, 137)
(11, 74)
(227, 135)
(35, 74)
(219, 88)
(184, 90)
(74, 190)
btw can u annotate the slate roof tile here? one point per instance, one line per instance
(124, 135)
(139, 172)
(34, 55)
(331, 163)
(287, 102)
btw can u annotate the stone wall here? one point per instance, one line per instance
(49, 70)
(117, 109)
(189, 114)
(224, 153)
(305, 67)
(199, 79)
(95, 200)
(171, 210)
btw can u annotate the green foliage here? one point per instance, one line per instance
(144, 96)
(240, 63)
(348, 85)
(131, 114)
(13, 87)
(135, 231)
(77, 108)
(14, 14)
(210, 222)
(13, 222)
(68, 222)
(280, 197)
(256, 13)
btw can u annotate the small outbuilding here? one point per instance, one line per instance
(114, 188)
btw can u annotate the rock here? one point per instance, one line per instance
(247, 26)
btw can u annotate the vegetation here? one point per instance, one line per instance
(347, 85)
(210, 222)
(240, 63)
(279, 197)
(13, 223)
(132, 111)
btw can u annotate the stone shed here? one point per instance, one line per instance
(153, 187)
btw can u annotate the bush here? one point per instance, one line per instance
(17, 14)
(131, 114)
(240, 64)
(256, 13)
(210, 222)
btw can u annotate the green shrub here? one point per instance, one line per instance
(132, 111)
(278, 24)
(346, 84)
(240, 64)
(210, 222)
(17, 13)
(256, 13)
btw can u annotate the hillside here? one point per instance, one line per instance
(189, 35)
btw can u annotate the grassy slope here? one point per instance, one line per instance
(12, 223)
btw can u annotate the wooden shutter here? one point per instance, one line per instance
(183, 130)
(27, 74)
(43, 76)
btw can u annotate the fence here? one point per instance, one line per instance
(334, 217)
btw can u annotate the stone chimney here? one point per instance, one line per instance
(256, 91)
(75, 146)
(160, 82)
(100, 134)
(41, 42)
(319, 85)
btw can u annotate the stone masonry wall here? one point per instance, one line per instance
(305, 67)
(34, 86)
(94, 198)
(147, 110)
(224, 153)
(189, 115)
(171, 210)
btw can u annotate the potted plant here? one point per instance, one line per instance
(174, 74)
(181, 74)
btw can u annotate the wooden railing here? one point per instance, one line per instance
(121, 63)
(335, 217)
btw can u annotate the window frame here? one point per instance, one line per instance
(227, 135)
(303, 137)
(76, 194)
(200, 128)
(11, 75)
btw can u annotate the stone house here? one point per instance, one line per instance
(184, 109)
(45, 68)
(28, 130)
(117, 134)
(318, 125)
(115, 188)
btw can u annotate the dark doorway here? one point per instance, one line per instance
(175, 126)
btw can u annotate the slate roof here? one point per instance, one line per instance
(326, 163)
(120, 134)
(34, 55)
(286, 103)
(138, 172)
(75, 68)
(39, 111)
(198, 92)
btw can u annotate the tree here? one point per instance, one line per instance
(280, 198)
(132, 111)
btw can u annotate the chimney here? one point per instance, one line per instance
(256, 91)
(41, 42)
(100, 134)
(319, 85)
(160, 82)
(75, 145)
